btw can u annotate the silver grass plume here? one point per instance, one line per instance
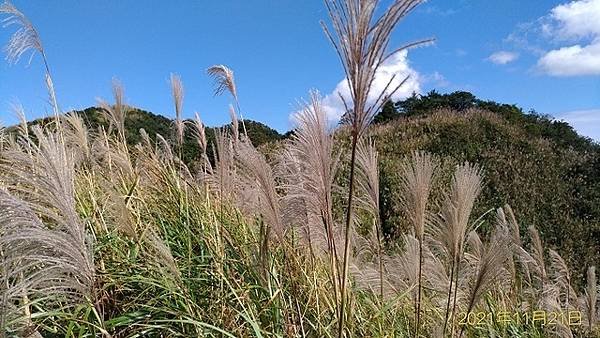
(544, 292)
(453, 224)
(361, 40)
(368, 199)
(19, 111)
(77, 137)
(117, 112)
(3, 137)
(25, 39)
(235, 128)
(256, 175)
(537, 253)
(114, 154)
(225, 81)
(53, 255)
(296, 214)
(253, 169)
(312, 147)
(404, 267)
(368, 176)
(562, 277)
(514, 225)
(489, 266)
(164, 148)
(510, 225)
(52, 96)
(223, 176)
(416, 177)
(177, 93)
(199, 133)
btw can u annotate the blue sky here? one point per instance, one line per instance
(542, 55)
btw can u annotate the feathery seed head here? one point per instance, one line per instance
(416, 178)
(26, 37)
(368, 176)
(117, 112)
(361, 39)
(200, 133)
(224, 80)
(177, 92)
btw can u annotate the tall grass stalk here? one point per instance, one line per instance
(361, 39)
(453, 224)
(368, 184)
(225, 81)
(417, 174)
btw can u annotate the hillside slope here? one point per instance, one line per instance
(153, 124)
(542, 168)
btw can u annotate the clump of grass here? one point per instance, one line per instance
(361, 39)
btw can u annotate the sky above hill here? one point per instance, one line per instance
(541, 55)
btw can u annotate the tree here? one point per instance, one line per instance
(388, 113)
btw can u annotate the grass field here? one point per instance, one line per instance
(99, 237)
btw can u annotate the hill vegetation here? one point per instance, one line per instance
(548, 173)
(541, 167)
(155, 124)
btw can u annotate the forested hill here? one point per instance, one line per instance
(548, 173)
(153, 124)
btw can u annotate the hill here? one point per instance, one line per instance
(541, 167)
(153, 124)
(548, 173)
(196, 256)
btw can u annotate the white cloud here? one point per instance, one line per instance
(435, 80)
(503, 57)
(572, 60)
(576, 21)
(586, 122)
(397, 65)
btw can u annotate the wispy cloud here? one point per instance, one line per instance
(435, 79)
(435, 10)
(397, 65)
(460, 52)
(503, 57)
(566, 40)
(586, 122)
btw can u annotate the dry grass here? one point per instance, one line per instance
(102, 238)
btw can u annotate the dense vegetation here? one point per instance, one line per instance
(116, 222)
(547, 172)
(541, 167)
(153, 124)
